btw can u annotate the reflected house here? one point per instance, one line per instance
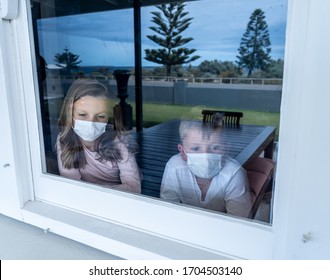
(54, 84)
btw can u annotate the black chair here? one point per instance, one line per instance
(226, 117)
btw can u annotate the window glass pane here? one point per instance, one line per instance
(203, 74)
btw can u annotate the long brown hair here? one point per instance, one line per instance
(71, 146)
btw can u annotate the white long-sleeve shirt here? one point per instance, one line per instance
(228, 192)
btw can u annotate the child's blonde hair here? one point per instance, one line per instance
(206, 129)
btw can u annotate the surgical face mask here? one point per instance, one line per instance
(204, 165)
(89, 131)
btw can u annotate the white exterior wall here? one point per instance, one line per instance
(301, 207)
(303, 181)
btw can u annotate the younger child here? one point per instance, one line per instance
(202, 175)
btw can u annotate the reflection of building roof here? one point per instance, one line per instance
(56, 66)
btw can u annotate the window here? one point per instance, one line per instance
(99, 39)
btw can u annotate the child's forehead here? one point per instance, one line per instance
(197, 135)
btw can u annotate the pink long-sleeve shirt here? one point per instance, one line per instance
(121, 175)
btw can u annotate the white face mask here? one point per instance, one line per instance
(204, 165)
(89, 131)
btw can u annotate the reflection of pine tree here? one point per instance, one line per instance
(169, 30)
(255, 44)
(69, 59)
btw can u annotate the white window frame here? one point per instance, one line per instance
(94, 215)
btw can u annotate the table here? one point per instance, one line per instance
(159, 143)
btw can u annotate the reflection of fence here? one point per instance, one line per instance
(217, 80)
(257, 97)
(265, 98)
(201, 80)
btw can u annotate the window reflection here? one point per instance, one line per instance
(89, 42)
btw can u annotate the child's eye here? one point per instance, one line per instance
(82, 115)
(216, 148)
(195, 149)
(101, 117)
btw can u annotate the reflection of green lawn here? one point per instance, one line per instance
(158, 113)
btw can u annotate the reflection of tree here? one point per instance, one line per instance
(104, 71)
(69, 59)
(274, 70)
(169, 30)
(255, 44)
(219, 68)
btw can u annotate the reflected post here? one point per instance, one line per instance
(138, 65)
(123, 111)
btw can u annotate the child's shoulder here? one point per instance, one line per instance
(231, 161)
(176, 160)
(231, 165)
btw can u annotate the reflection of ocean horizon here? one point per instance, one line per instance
(110, 69)
(89, 69)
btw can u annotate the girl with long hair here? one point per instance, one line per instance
(88, 148)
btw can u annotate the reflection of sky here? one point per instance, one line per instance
(107, 38)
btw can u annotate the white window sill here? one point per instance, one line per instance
(116, 239)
